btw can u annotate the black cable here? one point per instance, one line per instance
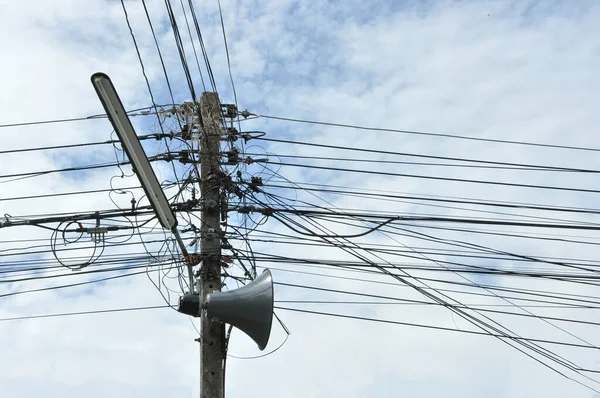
(438, 178)
(130, 266)
(589, 304)
(180, 49)
(575, 278)
(485, 249)
(429, 134)
(105, 311)
(576, 304)
(410, 303)
(83, 144)
(227, 54)
(458, 220)
(458, 268)
(193, 45)
(507, 205)
(309, 206)
(548, 354)
(446, 329)
(376, 268)
(500, 336)
(50, 219)
(509, 166)
(120, 263)
(585, 211)
(71, 284)
(490, 164)
(162, 62)
(306, 186)
(403, 300)
(211, 76)
(75, 119)
(392, 250)
(137, 50)
(368, 231)
(51, 195)
(468, 317)
(454, 267)
(21, 176)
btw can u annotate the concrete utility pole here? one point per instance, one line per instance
(212, 333)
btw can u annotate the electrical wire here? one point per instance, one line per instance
(371, 193)
(486, 327)
(438, 178)
(74, 119)
(227, 54)
(435, 327)
(162, 62)
(92, 312)
(453, 136)
(181, 50)
(472, 163)
(193, 45)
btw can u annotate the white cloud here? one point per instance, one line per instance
(485, 69)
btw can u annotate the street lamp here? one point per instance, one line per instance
(131, 144)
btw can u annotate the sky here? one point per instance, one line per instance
(503, 70)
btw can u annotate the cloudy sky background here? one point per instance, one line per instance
(508, 70)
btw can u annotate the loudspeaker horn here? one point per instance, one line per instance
(248, 308)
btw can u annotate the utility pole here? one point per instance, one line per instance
(212, 333)
(255, 298)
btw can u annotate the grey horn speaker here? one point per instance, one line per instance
(249, 308)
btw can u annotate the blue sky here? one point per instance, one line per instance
(499, 69)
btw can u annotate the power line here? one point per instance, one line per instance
(137, 50)
(482, 164)
(478, 247)
(211, 76)
(193, 45)
(438, 178)
(21, 176)
(105, 311)
(384, 195)
(82, 144)
(404, 300)
(376, 269)
(308, 206)
(572, 302)
(19, 292)
(50, 195)
(447, 329)
(479, 162)
(456, 268)
(75, 119)
(394, 303)
(391, 218)
(483, 324)
(341, 189)
(227, 54)
(180, 49)
(454, 136)
(393, 250)
(162, 62)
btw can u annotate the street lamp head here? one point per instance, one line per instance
(131, 144)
